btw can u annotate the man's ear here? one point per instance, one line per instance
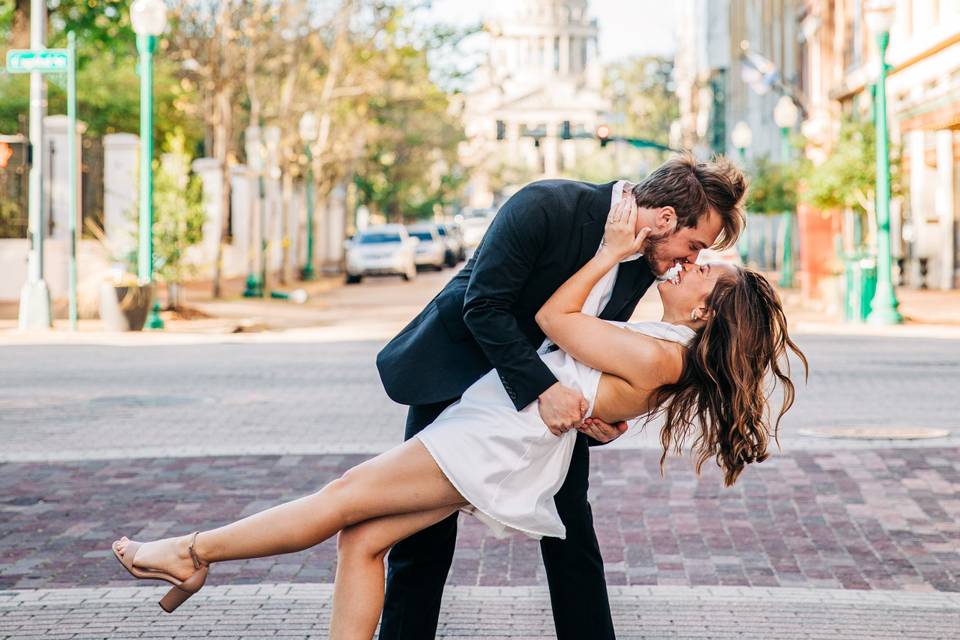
(666, 219)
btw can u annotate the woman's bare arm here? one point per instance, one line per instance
(594, 342)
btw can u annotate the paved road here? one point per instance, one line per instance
(830, 538)
(76, 402)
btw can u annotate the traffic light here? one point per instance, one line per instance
(6, 152)
(603, 134)
(501, 130)
(565, 130)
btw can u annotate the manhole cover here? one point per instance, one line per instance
(877, 433)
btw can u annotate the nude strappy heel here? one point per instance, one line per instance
(182, 589)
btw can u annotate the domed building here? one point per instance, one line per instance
(541, 79)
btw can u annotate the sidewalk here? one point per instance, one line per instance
(378, 308)
(303, 611)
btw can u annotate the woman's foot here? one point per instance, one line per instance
(170, 555)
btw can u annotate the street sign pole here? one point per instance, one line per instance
(34, 312)
(74, 161)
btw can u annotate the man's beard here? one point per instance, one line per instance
(651, 249)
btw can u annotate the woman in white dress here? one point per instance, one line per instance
(704, 367)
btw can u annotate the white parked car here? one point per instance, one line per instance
(381, 250)
(474, 224)
(432, 249)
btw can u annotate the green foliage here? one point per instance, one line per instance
(847, 178)
(773, 187)
(410, 168)
(642, 93)
(178, 211)
(108, 87)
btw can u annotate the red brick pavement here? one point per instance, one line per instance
(863, 519)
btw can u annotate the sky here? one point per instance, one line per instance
(627, 27)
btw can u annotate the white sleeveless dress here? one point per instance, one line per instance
(506, 463)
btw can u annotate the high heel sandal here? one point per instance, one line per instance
(182, 589)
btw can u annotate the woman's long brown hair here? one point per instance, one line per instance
(723, 392)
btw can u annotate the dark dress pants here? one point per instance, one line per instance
(418, 566)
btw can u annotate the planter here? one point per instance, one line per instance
(124, 307)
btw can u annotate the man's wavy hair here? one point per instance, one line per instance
(693, 188)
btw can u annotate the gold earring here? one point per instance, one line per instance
(693, 315)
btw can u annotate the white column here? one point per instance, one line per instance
(945, 206)
(548, 53)
(565, 54)
(243, 194)
(211, 176)
(120, 153)
(57, 175)
(919, 201)
(334, 228)
(551, 155)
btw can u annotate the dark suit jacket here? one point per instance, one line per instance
(484, 317)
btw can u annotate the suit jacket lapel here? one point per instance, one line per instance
(631, 278)
(592, 230)
(591, 233)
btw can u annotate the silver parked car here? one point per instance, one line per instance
(456, 248)
(432, 250)
(381, 250)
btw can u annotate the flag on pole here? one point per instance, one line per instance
(758, 72)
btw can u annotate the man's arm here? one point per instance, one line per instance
(503, 265)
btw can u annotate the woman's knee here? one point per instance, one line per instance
(359, 542)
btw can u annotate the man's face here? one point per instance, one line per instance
(669, 247)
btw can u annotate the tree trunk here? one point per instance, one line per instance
(20, 31)
(285, 269)
(221, 146)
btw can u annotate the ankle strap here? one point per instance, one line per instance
(197, 563)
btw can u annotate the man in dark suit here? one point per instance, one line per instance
(484, 318)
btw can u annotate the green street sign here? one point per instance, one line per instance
(42, 61)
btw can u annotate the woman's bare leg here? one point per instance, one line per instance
(404, 479)
(361, 548)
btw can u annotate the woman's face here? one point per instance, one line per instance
(696, 281)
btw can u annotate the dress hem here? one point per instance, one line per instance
(529, 532)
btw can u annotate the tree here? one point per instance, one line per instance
(642, 93)
(108, 98)
(410, 168)
(847, 178)
(773, 187)
(179, 215)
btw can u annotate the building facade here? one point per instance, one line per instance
(840, 62)
(542, 72)
(712, 38)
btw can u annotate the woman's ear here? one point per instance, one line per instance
(699, 313)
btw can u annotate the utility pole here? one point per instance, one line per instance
(35, 296)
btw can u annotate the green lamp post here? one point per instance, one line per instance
(255, 163)
(149, 19)
(742, 137)
(785, 115)
(309, 130)
(883, 309)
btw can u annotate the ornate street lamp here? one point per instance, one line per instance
(309, 130)
(786, 114)
(742, 137)
(149, 19)
(883, 308)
